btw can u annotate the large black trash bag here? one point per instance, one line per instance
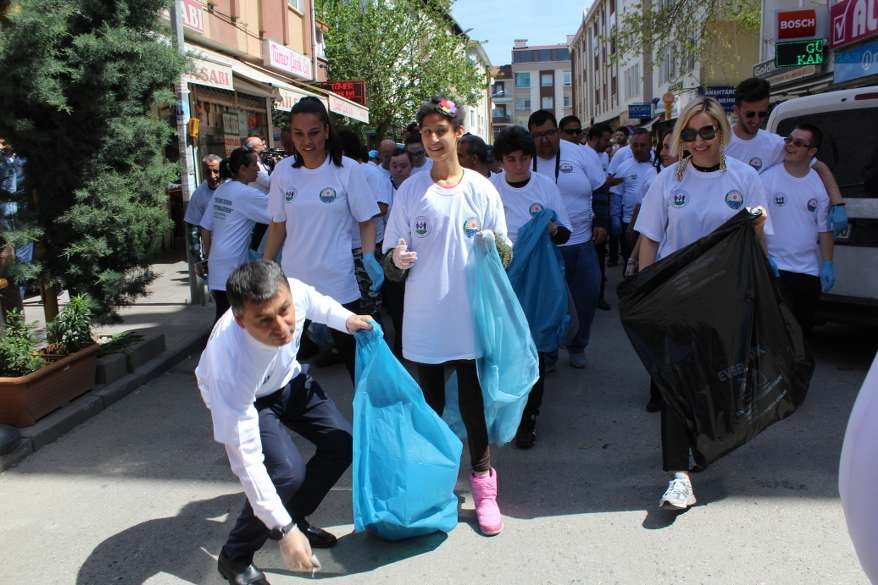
(712, 329)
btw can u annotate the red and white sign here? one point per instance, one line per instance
(852, 21)
(794, 24)
(210, 74)
(283, 59)
(193, 15)
(349, 109)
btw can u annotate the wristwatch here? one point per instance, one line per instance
(279, 532)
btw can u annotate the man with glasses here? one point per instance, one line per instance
(762, 150)
(571, 129)
(420, 160)
(576, 176)
(801, 245)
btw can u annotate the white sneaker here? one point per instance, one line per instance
(678, 496)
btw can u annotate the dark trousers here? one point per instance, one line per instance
(535, 398)
(345, 343)
(583, 279)
(675, 441)
(801, 291)
(470, 401)
(601, 250)
(627, 244)
(394, 299)
(613, 255)
(221, 303)
(303, 407)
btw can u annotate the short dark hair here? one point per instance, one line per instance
(816, 133)
(638, 131)
(351, 145)
(477, 147)
(752, 90)
(254, 282)
(540, 117)
(443, 106)
(414, 138)
(512, 139)
(402, 151)
(568, 119)
(241, 156)
(597, 130)
(313, 105)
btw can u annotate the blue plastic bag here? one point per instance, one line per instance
(508, 367)
(406, 459)
(537, 277)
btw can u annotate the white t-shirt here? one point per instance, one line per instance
(376, 185)
(675, 214)
(761, 152)
(602, 157)
(234, 370)
(317, 206)
(198, 203)
(521, 203)
(620, 157)
(263, 178)
(440, 224)
(798, 208)
(635, 174)
(230, 216)
(578, 175)
(428, 164)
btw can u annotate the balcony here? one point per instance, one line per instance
(502, 119)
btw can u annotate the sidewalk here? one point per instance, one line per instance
(165, 309)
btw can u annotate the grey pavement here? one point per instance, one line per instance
(140, 493)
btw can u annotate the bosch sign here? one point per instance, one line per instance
(793, 24)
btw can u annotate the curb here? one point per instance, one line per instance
(91, 403)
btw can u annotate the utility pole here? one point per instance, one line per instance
(187, 176)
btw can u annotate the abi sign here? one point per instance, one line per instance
(794, 24)
(852, 21)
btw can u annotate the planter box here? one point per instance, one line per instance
(26, 399)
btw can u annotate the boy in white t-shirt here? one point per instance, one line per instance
(797, 205)
(435, 218)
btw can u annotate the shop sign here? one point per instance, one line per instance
(231, 131)
(283, 59)
(795, 24)
(352, 89)
(764, 69)
(724, 94)
(289, 98)
(345, 108)
(852, 21)
(856, 62)
(787, 75)
(639, 111)
(210, 74)
(798, 53)
(193, 15)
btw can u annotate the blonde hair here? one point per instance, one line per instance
(712, 108)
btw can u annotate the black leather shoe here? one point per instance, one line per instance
(239, 573)
(654, 404)
(603, 305)
(526, 435)
(318, 537)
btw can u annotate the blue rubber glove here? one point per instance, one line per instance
(772, 262)
(374, 270)
(838, 219)
(827, 276)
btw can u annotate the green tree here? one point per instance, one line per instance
(81, 82)
(688, 31)
(406, 50)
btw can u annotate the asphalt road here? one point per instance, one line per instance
(140, 494)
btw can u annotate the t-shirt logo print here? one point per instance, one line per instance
(734, 199)
(327, 195)
(756, 162)
(780, 199)
(535, 208)
(471, 227)
(679, 198)
(565, 167)
(290, 195)
(420, 226)
(812, 205)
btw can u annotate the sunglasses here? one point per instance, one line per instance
(797, 142)
(706, 132)
(752, 114)
(545, 134)
(575, 131)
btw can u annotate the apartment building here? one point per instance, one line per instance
(541, 80)
(501, 98)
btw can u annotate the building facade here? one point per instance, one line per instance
(478, 118)
(541, 80)
(501, 98)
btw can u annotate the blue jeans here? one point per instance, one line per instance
(584, 280)
(303, 407)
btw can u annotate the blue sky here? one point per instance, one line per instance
(499, 22)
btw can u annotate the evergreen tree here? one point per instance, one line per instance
(81, 82)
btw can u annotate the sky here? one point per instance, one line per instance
(499, 22)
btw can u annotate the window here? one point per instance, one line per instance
(522, 105)
(296, 4)
(566, 101)
(522, 80)
(568, 80)
(499, 111)
(547, 80)
(499, 89)
(547, 103)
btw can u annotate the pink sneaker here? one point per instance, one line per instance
(485, 496)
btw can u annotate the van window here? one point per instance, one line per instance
(850, 147)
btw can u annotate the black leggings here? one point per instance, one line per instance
(472, 406)
(345, 343)
(221, 303)
(676, 440)
(535, 398)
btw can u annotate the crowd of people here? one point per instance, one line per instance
(355, 236)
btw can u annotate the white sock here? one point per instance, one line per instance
(681, 475)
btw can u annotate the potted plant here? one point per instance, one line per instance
(34, 382)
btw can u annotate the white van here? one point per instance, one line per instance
(849, 121)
